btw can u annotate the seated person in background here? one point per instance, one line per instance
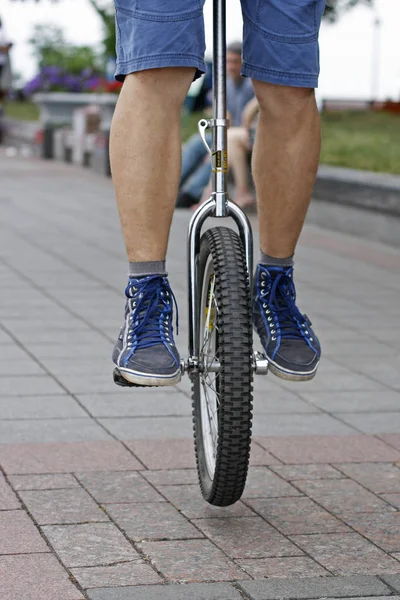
(196, 166)
(240, 145)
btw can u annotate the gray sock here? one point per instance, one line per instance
(151, 267)
(270, 261)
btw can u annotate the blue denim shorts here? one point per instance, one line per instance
(280, 38)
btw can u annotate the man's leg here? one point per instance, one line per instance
(285, 161)
(284, 164)
(145, 154)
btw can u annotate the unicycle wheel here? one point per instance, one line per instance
(222, 385)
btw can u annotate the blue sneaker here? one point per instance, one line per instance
(291, 346)
(145, 352)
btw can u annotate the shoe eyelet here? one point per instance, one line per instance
(269, 319)
(311, 340)
(273, 338)
(265, 306)
(273, 330)
(263, 284)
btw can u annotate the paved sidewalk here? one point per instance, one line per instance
(98, 492)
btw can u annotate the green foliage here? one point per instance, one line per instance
(50, 48)
(335, 8)
(106, 13)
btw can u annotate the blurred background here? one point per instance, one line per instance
(68, 45)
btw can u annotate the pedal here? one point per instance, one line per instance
(260, 363)
(119, 380)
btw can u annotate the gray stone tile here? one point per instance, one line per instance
(32, 386)
(299, 424)
(262, 483)
(373, 422)
(40, 407)
(20, 368)
(140, 428)
(247, 537)
(43, 482)
(8, 499)
(109, 487)
(280, 403)
(132, 573)
(393, 581)
(145, 521)
(194, 591)
(191, 560)
(57, 507)
(294, 588)
(51, 430)
(89, 544)
(353, 402)
(141, 403)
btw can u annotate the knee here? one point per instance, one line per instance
(284, 103)
(168, 86)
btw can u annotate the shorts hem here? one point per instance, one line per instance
(279, 77)
(126, 67)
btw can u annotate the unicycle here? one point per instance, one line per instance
(221, 362)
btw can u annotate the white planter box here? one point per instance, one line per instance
(58, 107)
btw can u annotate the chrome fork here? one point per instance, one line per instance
(218, 205)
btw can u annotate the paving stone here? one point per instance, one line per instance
(347, 554)
(8, 500)
(296, 515)
(310, 472)
(261, 482)
(280, 403)
(260, 457)
(172, 477)
(313, 587)
(188, 500)
(330, 449)
(393, 499)
(166, 454)
(152, 521)
(194, 591)
(293, 566)
(88, 545)
(246, 537)
(381, 528)
(43, 482)
(35, 577)
(373, 422)
(140, 428)
(24, 459)
(40, 407)
(353, 402)
(192, 560)
(62, 506)
(37, 386)
(108, 487)
(135, 573)
(378, 477)
(343, 496)
(393, 581)
(18, 534)
(20, 368)
(51, 430)
(145, 405)
(299, 424)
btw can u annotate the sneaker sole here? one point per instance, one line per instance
(153, 380)
(291, 375)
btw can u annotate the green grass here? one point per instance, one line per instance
(361, 140)
(358, 140)
(354, 139)
(26, 111)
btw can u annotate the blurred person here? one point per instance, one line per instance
(160, 50)
(196, 163)
(240, 146)
(5, 46)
